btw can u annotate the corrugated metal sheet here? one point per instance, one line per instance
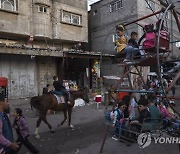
(21, 74)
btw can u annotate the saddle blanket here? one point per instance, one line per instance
(60, 99)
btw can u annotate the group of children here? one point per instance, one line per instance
(123, 46)
(130, 114)
(132, 49)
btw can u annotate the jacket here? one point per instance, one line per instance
(22, 129)
(118, 115)
(121, 42)
(6, 134)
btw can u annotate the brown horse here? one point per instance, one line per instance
(49, 102)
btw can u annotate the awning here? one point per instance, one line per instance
(85, 54)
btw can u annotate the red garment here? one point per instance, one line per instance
(165, 113)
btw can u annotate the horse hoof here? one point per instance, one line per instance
(71, 126)
(37, 136)
(52, 131)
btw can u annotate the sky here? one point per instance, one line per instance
(90, 2)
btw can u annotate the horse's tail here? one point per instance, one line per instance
(35, 102)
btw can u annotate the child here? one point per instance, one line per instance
(169, 117)
(46, 89)
(22, 131)
(122, 47)
(133, 107)
(143, 114)
(135, 125)
(119, 120)
(133, 40)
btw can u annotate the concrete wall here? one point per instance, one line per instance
(46, 69)
(103, 23)
(41, 22)
(81, 4)
(69, 32)
(17, 22)
(29, 21)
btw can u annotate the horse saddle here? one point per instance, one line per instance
(60, 98)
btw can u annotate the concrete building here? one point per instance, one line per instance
(106, 14)
(34, 36)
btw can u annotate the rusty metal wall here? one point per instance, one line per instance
(21, 73)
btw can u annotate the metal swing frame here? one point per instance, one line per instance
(128, 68)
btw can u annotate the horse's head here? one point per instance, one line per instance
(83, 94)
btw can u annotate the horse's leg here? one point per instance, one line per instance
(65, 116)
(36, 133)
(47, 123)
(69, 116)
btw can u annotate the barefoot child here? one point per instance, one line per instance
(20, 124)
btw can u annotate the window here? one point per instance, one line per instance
(10, 5)
(115, 6)
(95, 12)
(42, 8)
(71, 18)
(150, 4)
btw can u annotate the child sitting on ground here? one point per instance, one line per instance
(119, 120)
(20, 124)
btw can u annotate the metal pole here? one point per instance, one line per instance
(173, 82)
(158, 41)
(172, 46)
(62, 67)
(124, 75)
(139, 73)
(104, 139)
(142, 18)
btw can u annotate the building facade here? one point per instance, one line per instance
(106, 14)
(34, 35)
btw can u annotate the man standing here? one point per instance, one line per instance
(6, 135)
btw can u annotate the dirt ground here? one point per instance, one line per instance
(86, 137)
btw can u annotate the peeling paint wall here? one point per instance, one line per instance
(46, 69)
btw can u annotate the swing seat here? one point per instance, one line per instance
(149, 45)
(153, 50)
(122, 56)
